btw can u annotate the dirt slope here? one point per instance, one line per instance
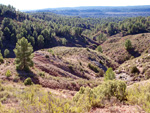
(71, 62)
(62, 68)
(115, 47)
(142, 63)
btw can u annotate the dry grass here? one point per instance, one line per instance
(115, 49)
(61, 68)
(142, 63)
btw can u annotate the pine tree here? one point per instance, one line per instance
(40, 41)
(6, 53)
(23, 52)
(128, 45)
(109, 75)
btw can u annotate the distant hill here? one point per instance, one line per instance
(100, 11)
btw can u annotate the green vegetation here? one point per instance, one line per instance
(94, 68)
(6, 53)
(48, 29)
(88, 98)
(71, 68)
(46, 56)
(109, 75)
(28, 81)
(99, 49)
(140, 95)
(8, 73)
(66, 68)
(42, 74)
(100, 73)
(1, 58)
(128, 45)
(23, 53)
(134, 69)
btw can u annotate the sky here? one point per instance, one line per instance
(41, 4)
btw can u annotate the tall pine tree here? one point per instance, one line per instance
(23, 52)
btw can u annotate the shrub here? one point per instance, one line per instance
(34, 98)
(42, 74)
(80, 63)
(88, 98)
(94, 68)
(87, 49)
(147, 74)
(140, 94)
(6, 53)
(100, 74)
(71, 68)
(99, 49)
(101, 62)
(134, 69)
(16, 79)
(128, 45)
(4, 95)
(28, 81)
(50, 50)
(64, 41)
(109, 75)
(112, 88)
(8, 73)
(46, 56)
(1, 58)
(85, 99)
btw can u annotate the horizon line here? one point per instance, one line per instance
(79, 7)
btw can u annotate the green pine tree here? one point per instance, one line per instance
(128, 45)
(23, 52)
(109, 75)
(40, 41)
(6, 53)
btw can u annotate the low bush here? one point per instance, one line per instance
(140, 95)
(6, 53)
(88, 98)
(28, 81)
(71, 68)
(134, 69)
(101, 62)
(99, 49)
(8, 73)
(100, 74)
(34, 99)
(94, 68)
(46, 56)
(147, 74)
(87, 49)
(42, 74)
(1, 58)
(16, 79)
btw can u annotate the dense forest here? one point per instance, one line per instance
(45, 29)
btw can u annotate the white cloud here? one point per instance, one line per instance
(39, 4)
